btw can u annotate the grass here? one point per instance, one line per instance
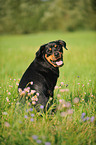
(74, 95)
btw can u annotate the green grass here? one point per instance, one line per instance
(65, 127)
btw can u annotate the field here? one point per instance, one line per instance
(75, 119)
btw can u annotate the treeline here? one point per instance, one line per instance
(27, 16)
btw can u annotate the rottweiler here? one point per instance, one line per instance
(43, 72)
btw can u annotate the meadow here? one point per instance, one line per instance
(74, 97)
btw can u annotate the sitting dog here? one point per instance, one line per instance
(43, 72)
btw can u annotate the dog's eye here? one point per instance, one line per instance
(50, 50)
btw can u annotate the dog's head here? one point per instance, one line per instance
(53, 52)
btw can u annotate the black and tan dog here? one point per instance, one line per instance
(44, 70)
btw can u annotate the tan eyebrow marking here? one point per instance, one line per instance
(50, 49)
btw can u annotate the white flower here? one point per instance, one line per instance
(58, 95)
(9, 93)
(63, 114)
(22, 93)
(19, 90)
(7, 124)
(4, 113)
(27, 89)
(68, 104)
(62, 83)
(7, 99)
(76, 100)
(78, 83)
(37, 94)
(70, 111)
(32, 92)
(31, 83)
(17, 84)
(56, 87)
(64, 90)
(33, 102)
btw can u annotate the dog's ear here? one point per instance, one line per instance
(62, 43)
(40, 51)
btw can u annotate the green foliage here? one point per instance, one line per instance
(22, 16)
(74, 96)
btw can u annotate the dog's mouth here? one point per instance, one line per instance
(59, 63)
(55, 61)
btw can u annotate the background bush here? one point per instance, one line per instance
(27, 16)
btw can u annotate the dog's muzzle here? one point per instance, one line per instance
(56, 59)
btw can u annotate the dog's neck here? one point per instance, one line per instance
(48, 71)
(42, 62)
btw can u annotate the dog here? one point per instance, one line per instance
(42, 74)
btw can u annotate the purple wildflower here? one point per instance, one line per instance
(20, 122)
(86, 119)
(25, 116)
(83, 115)
(47, 143)
(32, 119)
(39, 141)
(34, 137)
(31, 109)
(26, 110)
(41, 106)
(32, 115)
(92, 118)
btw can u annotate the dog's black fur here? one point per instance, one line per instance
(43, 71)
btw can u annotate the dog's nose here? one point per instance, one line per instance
(56, 54)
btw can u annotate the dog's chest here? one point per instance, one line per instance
(50, 78)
